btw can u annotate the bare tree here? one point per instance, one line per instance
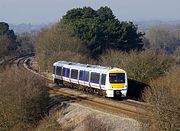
(26, 42)
(164, 98)
(163, 38)
(52, 42)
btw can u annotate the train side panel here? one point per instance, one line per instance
(111, 81)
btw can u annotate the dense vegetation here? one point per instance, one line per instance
(100, 30)
(7, 40)
(56, 43)
(26, 42)
(6, 32)
(164, 96)
(141, 66)
(11, 43)
(163, 38)
(24, 100)
(83, 34)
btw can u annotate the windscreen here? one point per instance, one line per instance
(117, 78)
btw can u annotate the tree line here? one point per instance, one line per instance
(11, 43)
(7, 39)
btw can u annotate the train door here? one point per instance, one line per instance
(81, 77)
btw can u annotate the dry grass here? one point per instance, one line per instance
(164, 95)
(94, 124)
(49, 123)
(24, 99)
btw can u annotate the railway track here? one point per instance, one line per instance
(97, 103)
(8, 62)
(17, 60)
(128, 108)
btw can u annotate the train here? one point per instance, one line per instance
(106, 81)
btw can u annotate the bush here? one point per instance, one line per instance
(141, 66)
(49, 123)
(68, 56)
(164, 96)
(53, 42)
(24, 98)
(94, 124)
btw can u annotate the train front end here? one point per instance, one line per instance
(117, 83)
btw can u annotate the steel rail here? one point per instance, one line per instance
(103, 105)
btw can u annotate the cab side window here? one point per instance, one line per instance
(58, 70)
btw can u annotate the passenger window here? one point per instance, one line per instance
(64, 71)
(86, 76)
(95, 77)
(81, 75)
(74, 74)
(103, 79)
(67, 72)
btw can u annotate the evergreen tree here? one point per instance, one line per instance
(5, 31)
(100, 30)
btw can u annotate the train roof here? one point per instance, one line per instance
(83, 66)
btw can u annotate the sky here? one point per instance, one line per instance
(50, 11)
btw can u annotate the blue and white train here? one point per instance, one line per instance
(107, 81)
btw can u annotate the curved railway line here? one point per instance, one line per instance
(127, 107)
(8, 62)
(100, 104)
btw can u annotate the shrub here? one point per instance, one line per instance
(68, 56)
(94, 124)
(24, 98)
(49, 123)
(164, 96)
(141, 66)
(114, 58)
(54, 41)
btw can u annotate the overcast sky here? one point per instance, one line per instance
(46, 11)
